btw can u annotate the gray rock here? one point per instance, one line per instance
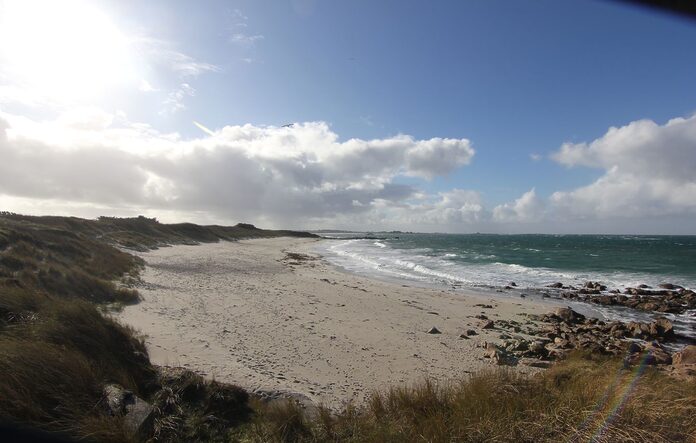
(434, 330)
(115, 398)
(138, 415)
(139, 418)
(568, 315)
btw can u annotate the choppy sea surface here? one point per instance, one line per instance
(532, 262)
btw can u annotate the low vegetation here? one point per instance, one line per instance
(581, 399)
(58, 351)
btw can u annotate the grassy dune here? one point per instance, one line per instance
(57, 351)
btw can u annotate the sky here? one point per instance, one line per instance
(543, 116)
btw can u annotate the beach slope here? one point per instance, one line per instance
(271, 315)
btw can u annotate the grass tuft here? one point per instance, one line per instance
(579, 399)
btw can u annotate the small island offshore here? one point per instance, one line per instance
(127, 329)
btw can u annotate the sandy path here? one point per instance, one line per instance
(242, 313)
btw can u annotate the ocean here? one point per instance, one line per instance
(531, 261)
(489, 262)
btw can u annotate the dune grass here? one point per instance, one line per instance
(54, 367)
(580, 399)
(57, 350)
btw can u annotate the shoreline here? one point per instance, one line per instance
(608, 304)
(272, 315)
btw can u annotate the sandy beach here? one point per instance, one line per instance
(248, 313)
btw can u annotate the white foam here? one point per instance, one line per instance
(423, 264)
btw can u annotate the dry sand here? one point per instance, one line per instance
(245, 313)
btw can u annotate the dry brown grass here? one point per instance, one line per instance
(579, 400)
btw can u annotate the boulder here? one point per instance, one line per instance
(605, 300)
(686, 356)
(115, 398)
(595, 285)
(557, 285)
(471, 332)
(537, 348)
(138, 415)
(669, 286)
(661, 327)
(499, 356)
(568, 315)
(634, 329)
(139, 418)
(634, 348)
(491, 350)
(648, 306)
(657, 355)
(488, 325)
(434, 330)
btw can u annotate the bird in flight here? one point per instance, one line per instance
(289, 125)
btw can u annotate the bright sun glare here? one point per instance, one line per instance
(64, 50)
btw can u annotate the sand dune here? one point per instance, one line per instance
(249, 313)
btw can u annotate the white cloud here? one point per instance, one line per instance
(649, 171)
(450, 208)
(163, 53)
(536, 157)
(305, 176)
(527, 208)
(175, 99)
(283, 176)
(145, 86)
(238, 27)
(238, 16)
(240, 38)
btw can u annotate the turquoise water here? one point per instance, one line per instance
(531, 261)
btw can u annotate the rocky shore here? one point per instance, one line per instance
(552, 336)
(667, 298)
